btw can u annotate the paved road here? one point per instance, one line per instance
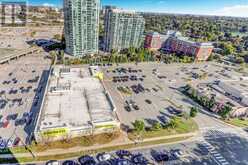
(213, 148)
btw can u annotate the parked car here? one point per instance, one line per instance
(148, 101)
(136, 107)
(86, 160)
(69, 162)
(10, 143)
(163, 119)
(52, 162)
(16, 141)
(139, 159)
(104, 163)
(103, 156)
(123, 162)
(123, 153)
(127, 108)
(159, 156)
(177, 153)
(21, 121)
(12, 117)
(5, 124)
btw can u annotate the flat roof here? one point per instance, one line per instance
(75, 99)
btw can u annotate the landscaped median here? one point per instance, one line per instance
(237, 122)
(63, 153)
(176, 126)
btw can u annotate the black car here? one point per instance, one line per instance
(123, 153)
(86, 160)
(12, 117)
(21, 121)
(139, 159)
(127, 108)
(104, 163)
(136, 107)
(122, 162)
(148, 101)
(69, 162)
(159, 156)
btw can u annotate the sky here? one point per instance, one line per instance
(237, 8)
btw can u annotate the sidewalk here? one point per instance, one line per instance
(91, 148)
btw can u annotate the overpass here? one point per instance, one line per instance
(16, 55)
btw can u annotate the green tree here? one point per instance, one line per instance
(225, 111)
(174, 122)
(228, 49)
(139, 126)
(156, 126)
(193, 111)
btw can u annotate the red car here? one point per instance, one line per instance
(16, 141)
(5, 124)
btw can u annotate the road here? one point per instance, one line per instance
(212, 148)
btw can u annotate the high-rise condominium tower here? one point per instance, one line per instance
(81, 26)
(123, 29)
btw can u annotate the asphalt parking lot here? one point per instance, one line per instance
(21, 87)
(159, 85)
(216, 148)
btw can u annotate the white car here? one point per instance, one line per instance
(104, 157)
(52, 162)
(10, 143)
(178, 154)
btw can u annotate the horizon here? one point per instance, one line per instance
(233, 8)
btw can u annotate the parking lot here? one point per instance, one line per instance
(149, 91)
(216, 148)
(22, 83)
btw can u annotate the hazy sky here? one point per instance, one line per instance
(210, 7)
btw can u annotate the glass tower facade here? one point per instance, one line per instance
(123, 29)
(81, 26)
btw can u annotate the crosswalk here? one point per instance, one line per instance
(216, 155)
(213, 133)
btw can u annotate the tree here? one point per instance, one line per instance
(174, 122)
(139, 126)
(193, 111)
(225, 111)
(228, 48)
(156, 126)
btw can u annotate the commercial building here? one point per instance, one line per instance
(75, 104)
(81, 26)
(236, 89)
(232, 93)
(175, 42)
(153, 41)
(123, 29)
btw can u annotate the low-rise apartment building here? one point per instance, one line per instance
(175, 42)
